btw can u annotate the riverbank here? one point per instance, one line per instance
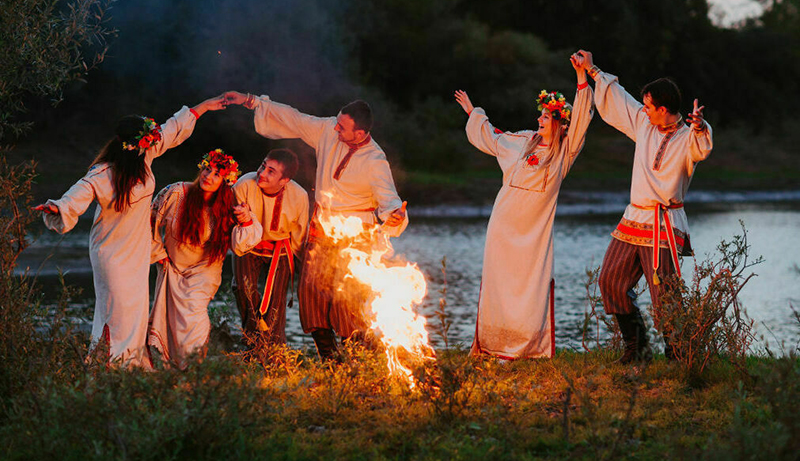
(576, 406)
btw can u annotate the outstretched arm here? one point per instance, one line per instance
(278, 121)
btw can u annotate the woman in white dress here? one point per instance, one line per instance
(192, 226)
(121, 182)
(515, 309)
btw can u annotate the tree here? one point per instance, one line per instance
(45, 44)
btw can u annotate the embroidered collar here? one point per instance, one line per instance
(275, 194)
(354, 146)
(671, 127)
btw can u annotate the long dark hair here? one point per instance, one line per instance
(128, 166)
(192, 219)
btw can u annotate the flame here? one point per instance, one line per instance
(396, 288)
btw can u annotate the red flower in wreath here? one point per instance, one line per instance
(532, 160)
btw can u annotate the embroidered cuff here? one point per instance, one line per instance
(593, 72)
(250, 102)
(700, 131)
(248, 223)
(583, 85)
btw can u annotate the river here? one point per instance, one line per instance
(582, 227)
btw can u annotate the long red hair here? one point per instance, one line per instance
(193, 219)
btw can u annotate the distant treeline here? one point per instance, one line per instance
(406, 57)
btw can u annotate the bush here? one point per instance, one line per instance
(30, 347)
(705, 321)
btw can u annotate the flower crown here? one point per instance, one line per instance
(224, 163)
(556, 104)
(150, 134)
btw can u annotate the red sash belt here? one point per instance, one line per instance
(278, 248)
(659, 210)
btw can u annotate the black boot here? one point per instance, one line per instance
(634, 334)
(326, 343)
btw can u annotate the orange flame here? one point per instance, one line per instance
(396, 286)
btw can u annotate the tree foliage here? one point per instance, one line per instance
(44, 44)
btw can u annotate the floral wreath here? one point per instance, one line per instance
(224, 163)
(147, 138)
(556, 104)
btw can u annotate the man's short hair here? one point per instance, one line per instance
(287, 159)
(361, 114)
(664, 92)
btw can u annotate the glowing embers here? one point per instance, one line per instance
(395, 287)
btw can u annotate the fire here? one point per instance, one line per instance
(396, 288)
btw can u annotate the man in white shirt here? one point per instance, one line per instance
(654, 230)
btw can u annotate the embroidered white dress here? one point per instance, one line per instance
(515, 309)
(663, 164)
(179, 323)
(119, 247)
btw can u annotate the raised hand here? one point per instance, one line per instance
(46, 208)
(588, 60)
(234, 97)
(696, 117)
(397, 216)
(576, 59)
(215, 103)
(463, 100)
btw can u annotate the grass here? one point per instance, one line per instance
(577, 405)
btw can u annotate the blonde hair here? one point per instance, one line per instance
(559, 130)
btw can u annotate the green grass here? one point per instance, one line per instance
(577, 405)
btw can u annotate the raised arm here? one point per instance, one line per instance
(278, 121)
(615, 105)
(582, 111)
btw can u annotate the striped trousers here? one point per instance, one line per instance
(247, 271)
(623, 266)
(327, 299)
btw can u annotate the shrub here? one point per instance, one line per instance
(705, 320)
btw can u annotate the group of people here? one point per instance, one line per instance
(515, 309)
(265, 219)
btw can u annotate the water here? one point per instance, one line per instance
(582, 228)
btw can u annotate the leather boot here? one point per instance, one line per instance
(326, 344)
(634, 334)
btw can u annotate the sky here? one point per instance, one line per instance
(728, 12)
